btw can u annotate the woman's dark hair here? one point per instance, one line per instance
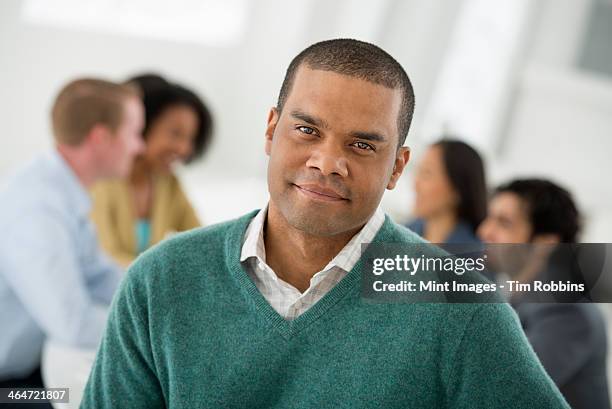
(550, 208)
(159, 95)
(148, 82)
(465, 170)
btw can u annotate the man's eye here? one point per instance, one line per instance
(363, 145)
(306, 129)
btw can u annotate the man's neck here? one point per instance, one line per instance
(79, 161)
(439, 227)
(296, 256)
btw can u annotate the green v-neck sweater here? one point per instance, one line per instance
(189, 329)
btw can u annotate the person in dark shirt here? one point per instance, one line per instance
(569, 338)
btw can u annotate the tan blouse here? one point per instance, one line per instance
(114, 215)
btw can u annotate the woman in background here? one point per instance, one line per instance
(450, 193)
(133, 214)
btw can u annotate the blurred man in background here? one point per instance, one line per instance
(570, 339)
(54, 281)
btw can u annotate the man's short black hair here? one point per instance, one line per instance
(550, 208)
(356, 59)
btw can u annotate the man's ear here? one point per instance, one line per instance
(272, 121)
(99, 135)
(401, 159)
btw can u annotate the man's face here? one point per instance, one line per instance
(507, 220)
(333, 151)
(123, 145)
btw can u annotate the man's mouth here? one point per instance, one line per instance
(318, 192)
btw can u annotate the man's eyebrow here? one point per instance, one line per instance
(369, 136)
(303, 116)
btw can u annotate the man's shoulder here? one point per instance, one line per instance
(192, 262)
(29, 192)
(209, 237)
(395, 239)
(392, 232)
(29, 172)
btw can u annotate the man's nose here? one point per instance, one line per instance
(329, 159)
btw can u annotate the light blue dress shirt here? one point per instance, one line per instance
(54, 280)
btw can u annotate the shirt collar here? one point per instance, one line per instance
(72, 187)
(254, 246)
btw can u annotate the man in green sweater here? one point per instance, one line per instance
(266, 310)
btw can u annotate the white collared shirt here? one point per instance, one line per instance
(287, 300)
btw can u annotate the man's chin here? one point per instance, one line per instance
(319, 230)
(313, 222)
